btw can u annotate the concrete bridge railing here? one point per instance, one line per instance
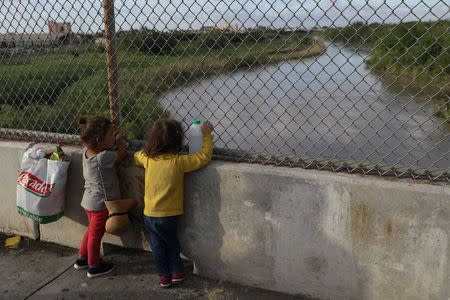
(328, 235)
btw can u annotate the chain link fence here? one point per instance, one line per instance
(355, 86)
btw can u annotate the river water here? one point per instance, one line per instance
(328, 106)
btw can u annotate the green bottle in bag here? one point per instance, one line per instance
(58, 154)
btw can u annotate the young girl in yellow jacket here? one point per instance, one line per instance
(164, 172)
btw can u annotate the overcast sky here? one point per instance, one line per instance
(31, 16)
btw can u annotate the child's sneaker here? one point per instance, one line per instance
(177, 278)
(165, 281)
(102, 269)
(80, 264)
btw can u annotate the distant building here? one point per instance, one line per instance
(59, 33)
(100, 41)
(207, 28)
(58, 30)
(317, 29)
(228, 26)
(259, 28)
(288, 29)
(12, 40)
(295, 29)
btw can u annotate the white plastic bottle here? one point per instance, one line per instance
(195, 136)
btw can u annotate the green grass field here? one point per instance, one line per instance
(47, 91)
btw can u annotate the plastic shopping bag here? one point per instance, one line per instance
(41, 185)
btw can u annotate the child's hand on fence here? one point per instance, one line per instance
(122, 147)
(207, 127)
(120, 138)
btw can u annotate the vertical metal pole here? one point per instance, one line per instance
(110, 33)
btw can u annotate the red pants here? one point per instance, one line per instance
(90, 247)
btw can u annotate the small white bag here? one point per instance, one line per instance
(41, 186)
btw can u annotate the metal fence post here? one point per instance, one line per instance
(113, 80)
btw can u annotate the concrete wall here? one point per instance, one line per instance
(329, 235)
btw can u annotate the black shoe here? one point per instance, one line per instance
(80, 264)
(102, 269)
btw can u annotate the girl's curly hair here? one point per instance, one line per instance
(165, 137)
(93, 128)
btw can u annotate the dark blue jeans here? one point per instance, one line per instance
(162, 236)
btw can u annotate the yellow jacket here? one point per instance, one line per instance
(164, 178)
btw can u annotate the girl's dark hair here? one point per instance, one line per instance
(166, 137)
(93, 128)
